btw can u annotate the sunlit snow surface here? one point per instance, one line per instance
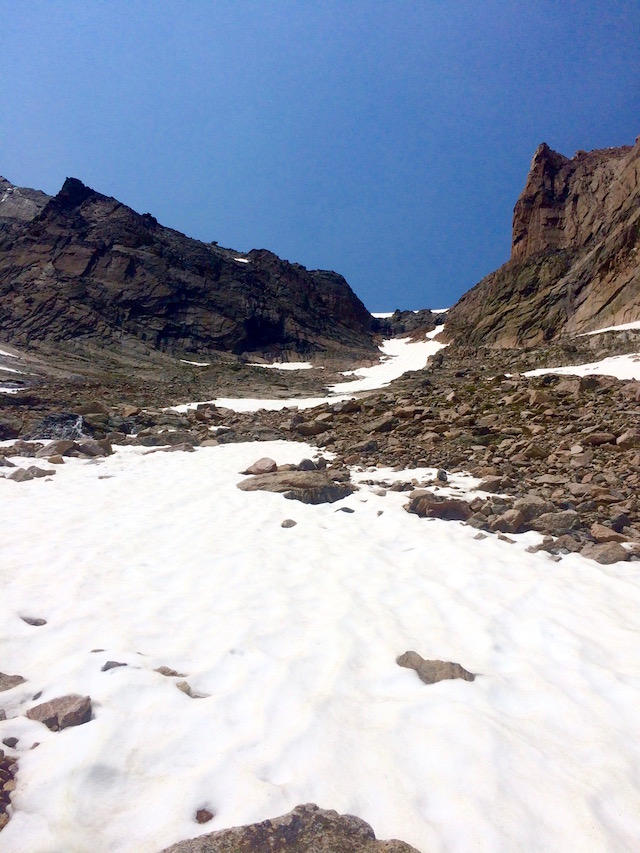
(619, 366)
(158, 559)
(397, 356)
(622, 328)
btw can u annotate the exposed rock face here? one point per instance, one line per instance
(87, 268)
(575, 259)
(306, 829)
(20, 203)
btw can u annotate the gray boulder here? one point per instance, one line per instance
(305, 829)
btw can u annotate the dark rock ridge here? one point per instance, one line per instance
(84, 268)
(575, 259)
(306, 829)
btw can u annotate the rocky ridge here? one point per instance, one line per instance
(575, 260)
(86, 271)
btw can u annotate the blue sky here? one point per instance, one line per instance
(386, 140)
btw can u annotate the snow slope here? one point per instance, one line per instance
(398, 356)
(620, 366)
(291, 635)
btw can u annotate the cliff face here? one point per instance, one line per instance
(575, 261)
(85, 268)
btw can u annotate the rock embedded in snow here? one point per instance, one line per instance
(186, 688)
(310, 487)
(62, 712)
(432, 671)
(9, 681)
(288, 522)
(204, 816)
(35, 621)
(305, 829)
(429, 505)
(20, 475)
(112, 664)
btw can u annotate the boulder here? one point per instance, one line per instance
(510, 521)
(63, 712)
(628, 440)
(606, 553)
(432, 671)
(9, 681)
(556, 523)
(429, 505)
(265, 465)
(305, 829)
(311, 487)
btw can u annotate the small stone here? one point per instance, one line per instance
(185, 687)
(288, 522)
(204, 816)
(442, 475)
(112, 664)
(11, 742)
(432, 671)
(169, 673)
(31, 620)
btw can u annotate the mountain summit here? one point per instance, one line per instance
(575, 262)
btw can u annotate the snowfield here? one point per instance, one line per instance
(619, 366)
(290, 637)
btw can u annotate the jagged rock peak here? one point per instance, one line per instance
(575, 257)
(550, 213)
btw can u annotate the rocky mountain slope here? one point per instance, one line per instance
(81, 268)
(575, 256)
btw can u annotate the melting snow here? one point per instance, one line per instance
(621, 328)
(292, 634)
(620, 366)
(286, 365)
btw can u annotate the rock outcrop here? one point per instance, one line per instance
(306, 829)
(20, 204)
(575, 256)
(86, 269)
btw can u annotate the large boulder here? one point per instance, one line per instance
(309, 487)
(305, 829)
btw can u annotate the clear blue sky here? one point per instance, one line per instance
(386, 140)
